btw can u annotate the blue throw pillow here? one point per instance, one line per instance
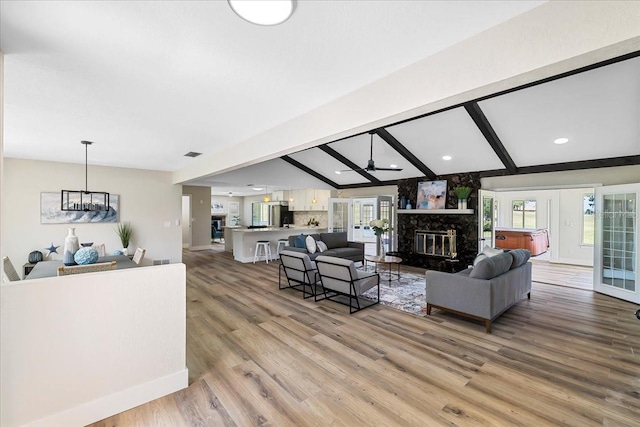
(300, 242)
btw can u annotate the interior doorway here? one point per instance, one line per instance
(566, 215)
(186, 221)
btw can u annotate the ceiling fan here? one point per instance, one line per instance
(371, 164)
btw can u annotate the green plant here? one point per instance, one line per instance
(124, 232)
(462, 193)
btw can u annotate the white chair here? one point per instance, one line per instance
(282, 243)
(87, 268)
(263, 249)
(9, 273)
(339, 279)
(137, 257)
(300, 271)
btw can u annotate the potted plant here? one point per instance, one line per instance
(125, 232)
(462, 193)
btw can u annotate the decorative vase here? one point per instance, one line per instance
(125, 251)
(460, 204)
(380, 246)
(464, 204)
(403, 203)
(408, 204)
(71, 246)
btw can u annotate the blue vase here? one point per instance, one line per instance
(403, 203)
(408, 205)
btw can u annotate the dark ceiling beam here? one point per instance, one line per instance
(367, 184)
(396, 145)
(568, 166)
(339, 157)
(309, 171)
(490, 135)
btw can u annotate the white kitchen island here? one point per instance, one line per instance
(244, 239)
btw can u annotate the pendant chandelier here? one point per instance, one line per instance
(84, 201)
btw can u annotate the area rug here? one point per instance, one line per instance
(406, 294)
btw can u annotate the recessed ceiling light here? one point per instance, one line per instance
(447, 157)
(393, 166)
(257, 188)
(561, 141)
(263, 12)
(338, 172)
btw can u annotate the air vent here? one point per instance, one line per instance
(192, 154)
(161, 261)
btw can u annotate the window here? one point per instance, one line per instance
(588, 218)
(524, 214)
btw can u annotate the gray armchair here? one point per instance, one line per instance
(300, 271)
(342, 283)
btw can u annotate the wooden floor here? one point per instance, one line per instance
(260, 356)
(574, 276)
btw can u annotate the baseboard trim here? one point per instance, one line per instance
(107, 406)
(572, 262)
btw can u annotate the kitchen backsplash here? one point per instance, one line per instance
(303, 218)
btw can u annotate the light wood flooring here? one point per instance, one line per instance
(258, 356)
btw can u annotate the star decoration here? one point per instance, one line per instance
(52, 249)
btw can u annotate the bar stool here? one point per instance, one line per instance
(262, 246)
(281, 244)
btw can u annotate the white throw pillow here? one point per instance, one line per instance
(322, 246)
(311, 244)
(489, 251)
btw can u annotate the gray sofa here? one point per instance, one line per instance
(485, 291)
(337, 246)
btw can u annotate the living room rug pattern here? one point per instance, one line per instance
(407, 294)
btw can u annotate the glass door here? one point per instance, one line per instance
(616, 247)
(364, 211)
(339, 214)
(386, 211)
(487, 219)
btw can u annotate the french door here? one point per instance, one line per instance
(487, 218)
(617, 234)
(339, 215)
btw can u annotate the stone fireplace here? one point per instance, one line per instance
(414, 227)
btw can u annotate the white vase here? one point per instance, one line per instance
(460, 204)
(125, 251)
(464, 204)
(71, 246)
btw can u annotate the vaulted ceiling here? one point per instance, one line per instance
(597, 108)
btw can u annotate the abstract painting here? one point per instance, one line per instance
(432, 195)
(50, 212)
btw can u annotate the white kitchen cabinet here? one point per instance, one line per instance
(299, 200)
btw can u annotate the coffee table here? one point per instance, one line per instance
(388, 260)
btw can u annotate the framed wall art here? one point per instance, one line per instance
(50, 212)
(431, 195)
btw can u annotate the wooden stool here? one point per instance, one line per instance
(262, 246)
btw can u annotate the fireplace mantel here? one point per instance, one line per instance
(436, 211)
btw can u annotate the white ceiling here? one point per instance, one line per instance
(150, 81)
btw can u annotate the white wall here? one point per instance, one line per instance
(148, 200)
(186, 221)
(80, 348)
(225, 200)
(200, 216)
